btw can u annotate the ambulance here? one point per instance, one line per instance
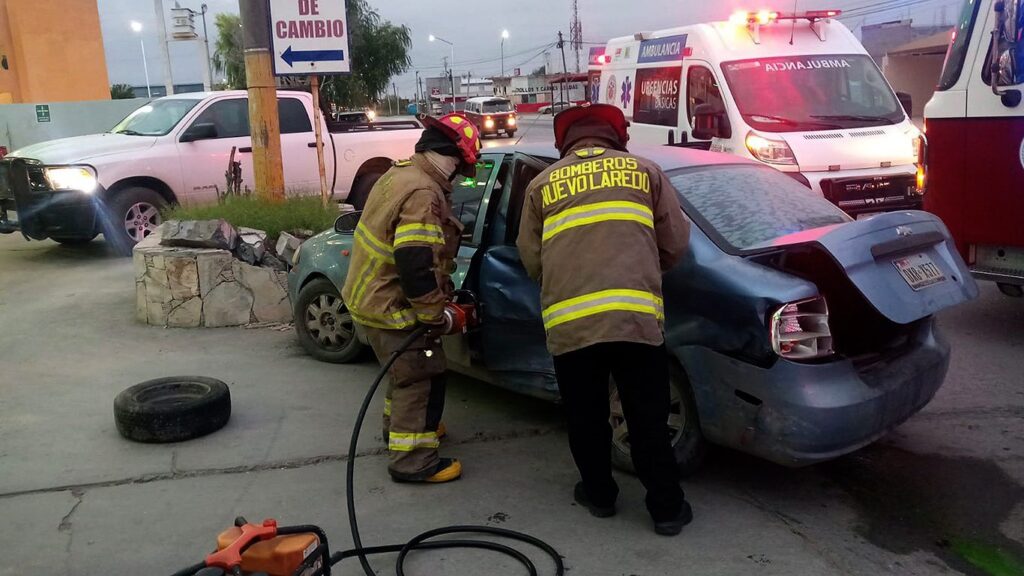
(796, 91)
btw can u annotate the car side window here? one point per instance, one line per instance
(293, 116)
(701, 88)
(467, 198)
(522, 174)
(231, 117)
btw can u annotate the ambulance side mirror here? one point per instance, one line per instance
(710, 121)
(907, 101)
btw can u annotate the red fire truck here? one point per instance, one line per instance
(971, 159)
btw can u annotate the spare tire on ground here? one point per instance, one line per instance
(172, 409)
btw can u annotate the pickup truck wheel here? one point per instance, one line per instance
(361, 189)
(688, 444)
(132, 214)
(172, 409)
(324, 325)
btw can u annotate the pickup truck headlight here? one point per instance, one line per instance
(71, 178)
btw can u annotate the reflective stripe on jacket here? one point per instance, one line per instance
(598, 229)
(406, 241)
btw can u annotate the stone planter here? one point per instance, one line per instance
(205, 287)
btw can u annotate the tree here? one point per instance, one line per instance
(121, 92)
(228, 56)
(380, 51)
(540, 71)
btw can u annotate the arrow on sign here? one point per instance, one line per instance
(291, 56)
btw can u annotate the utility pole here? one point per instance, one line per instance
(561, 46)
(423, 96)
(576, 33)
(161, 34)
(264, 123)
(398, 103)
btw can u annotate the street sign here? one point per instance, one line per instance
(42, 112)
(309, 37)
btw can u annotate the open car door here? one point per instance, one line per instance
(512, 332)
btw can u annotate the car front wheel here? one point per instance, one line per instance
(688, 444)
(324, 325)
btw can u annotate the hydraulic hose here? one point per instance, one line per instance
(423, 541)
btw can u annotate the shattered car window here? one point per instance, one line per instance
(749, 205)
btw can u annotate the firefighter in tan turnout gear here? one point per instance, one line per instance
(598, 229)
(400, 276)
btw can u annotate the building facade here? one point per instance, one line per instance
(51, 51)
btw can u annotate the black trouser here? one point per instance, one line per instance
(641, 375)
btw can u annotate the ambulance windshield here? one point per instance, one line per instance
(156, 118)
(802, 93)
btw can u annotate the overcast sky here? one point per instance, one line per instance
(475, 29)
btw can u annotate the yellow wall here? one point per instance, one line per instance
(54, 51)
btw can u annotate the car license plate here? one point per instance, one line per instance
(919, 271)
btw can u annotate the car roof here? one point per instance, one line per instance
(488, 99)
(666, 157)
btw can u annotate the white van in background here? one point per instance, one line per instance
(794, 91)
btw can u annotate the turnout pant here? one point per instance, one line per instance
(413, 403)
(641, 375)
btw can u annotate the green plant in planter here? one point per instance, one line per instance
(296, 213)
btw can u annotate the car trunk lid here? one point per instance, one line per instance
(903, 263)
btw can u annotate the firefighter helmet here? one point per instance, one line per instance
(463, 134)
(606, 113)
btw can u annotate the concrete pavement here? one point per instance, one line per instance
(944, 494)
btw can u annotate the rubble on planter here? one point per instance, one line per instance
(186, 276)
(287, 245)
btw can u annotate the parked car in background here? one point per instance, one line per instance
(796, 333)
(492, 115)
(555, 108)
(176, 150)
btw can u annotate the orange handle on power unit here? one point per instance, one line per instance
(231, 556)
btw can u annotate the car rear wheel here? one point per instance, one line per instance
(688, 444)
(324, 325)
(132, 214)
(360, 192)
(511, 133)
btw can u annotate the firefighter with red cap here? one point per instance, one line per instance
(599, 228)
(400, 277)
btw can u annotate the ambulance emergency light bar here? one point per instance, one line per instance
(754, 20)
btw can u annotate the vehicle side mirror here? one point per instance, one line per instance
(710, 121)
(907, 101)
(347, 222)
(201, 131)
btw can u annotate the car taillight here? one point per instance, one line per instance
(800, 331)
(921, 151)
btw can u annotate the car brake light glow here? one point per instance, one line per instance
(800, 330)
(765, 16)
(921, 153)
(770, 151)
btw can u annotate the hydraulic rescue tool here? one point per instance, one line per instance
(271, 550)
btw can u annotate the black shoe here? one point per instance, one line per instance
(580, 496)
(675, 526)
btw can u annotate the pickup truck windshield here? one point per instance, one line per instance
(745, 207)
(497, 106)
(800, 93)
(156, 118)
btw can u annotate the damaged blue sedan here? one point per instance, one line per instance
(796, 334)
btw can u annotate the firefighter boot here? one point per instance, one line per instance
(448, 469)
(675, 525)
(580, 496)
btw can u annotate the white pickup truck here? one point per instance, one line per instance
(176, 150)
